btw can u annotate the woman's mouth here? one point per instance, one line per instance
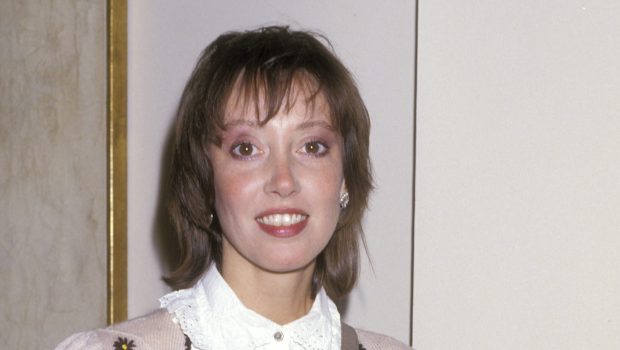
(282, 223)
(281, 219)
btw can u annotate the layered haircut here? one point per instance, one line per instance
(264, 66)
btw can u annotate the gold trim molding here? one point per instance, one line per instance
(117, 160)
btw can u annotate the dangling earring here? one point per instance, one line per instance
(344, 200)
(210, 221)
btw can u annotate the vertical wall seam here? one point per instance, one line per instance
(415, 138)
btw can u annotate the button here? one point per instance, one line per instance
(278, 336)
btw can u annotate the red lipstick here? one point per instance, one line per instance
(282, 222)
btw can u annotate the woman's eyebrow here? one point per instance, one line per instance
(302, 126)
(237, 122)
(315, 123)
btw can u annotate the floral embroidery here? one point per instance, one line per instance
(124, 344)
(188, 343)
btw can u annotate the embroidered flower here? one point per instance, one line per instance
(124, 344)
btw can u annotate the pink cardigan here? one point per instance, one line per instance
(156, 331)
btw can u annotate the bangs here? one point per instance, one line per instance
(263, 94)
(269, 71)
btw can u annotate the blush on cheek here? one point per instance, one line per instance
(230, 185)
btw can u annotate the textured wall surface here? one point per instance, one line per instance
(52, 170)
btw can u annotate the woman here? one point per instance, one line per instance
(270, 180)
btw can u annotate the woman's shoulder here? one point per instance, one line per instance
(153, 331)
(375, 341)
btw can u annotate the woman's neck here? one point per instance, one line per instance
(280, 297)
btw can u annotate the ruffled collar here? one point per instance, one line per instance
(212, 316)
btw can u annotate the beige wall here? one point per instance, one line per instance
(52, 170)
(518, 175)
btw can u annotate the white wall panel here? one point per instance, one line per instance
(373, 38)
(518, 175)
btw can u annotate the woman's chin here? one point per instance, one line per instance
(287, 264)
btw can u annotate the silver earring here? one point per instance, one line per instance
(344, 200)
(210, 219)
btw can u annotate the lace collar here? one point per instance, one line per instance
(212, 316)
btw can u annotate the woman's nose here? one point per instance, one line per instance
(282, 180)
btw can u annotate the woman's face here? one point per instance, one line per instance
(277, 186)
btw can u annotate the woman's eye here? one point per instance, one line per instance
(244, 149)
(314, 148)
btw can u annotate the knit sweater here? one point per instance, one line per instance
(157, 331)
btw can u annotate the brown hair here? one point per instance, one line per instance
(265, 63)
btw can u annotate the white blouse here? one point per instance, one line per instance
(212, 316)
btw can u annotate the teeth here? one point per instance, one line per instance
(281, 219)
